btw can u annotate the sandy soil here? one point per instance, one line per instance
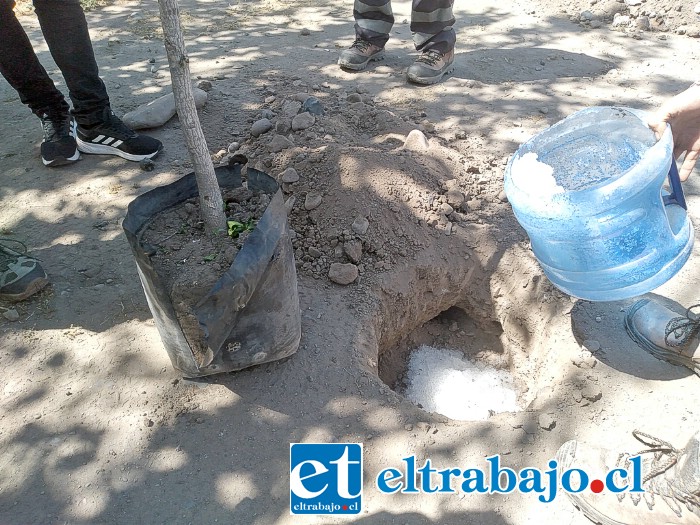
(96, 425)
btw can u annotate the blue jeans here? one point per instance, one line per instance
(66, 33)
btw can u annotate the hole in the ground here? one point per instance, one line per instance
(454, 366)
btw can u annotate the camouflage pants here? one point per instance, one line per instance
(431, 23)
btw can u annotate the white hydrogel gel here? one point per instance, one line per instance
(534, 177)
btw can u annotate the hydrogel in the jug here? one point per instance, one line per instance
(588, 191)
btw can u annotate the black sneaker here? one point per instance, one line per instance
(113, 137)
(20, 274)
(59, 146)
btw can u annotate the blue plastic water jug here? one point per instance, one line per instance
(589, 193)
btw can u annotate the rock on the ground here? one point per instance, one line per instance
(416, 141)
(313, 200)
(592, 393)
(547, 421)
(360, 225)
(159, 111)
(455, 198)
(233, 147)
(204, 85)
(11, 315)
(289, 176)
(280, 142)
(312, 105)
(303, 121)
(261, 126)
(291, 107)
(353, 249)
(343, 273)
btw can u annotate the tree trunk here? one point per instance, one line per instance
(210, 202)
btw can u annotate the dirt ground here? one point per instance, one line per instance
(97, 427)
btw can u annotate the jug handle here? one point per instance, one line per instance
(676, 196)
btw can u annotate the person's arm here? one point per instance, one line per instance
(682, 112)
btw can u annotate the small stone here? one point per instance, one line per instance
(300, 97)
(416, 141)
(455, 198)
(591, 345)
(423, 426)
(544, 110)
(204, 85)
(312, 105)
(283, 126)
(11, 315)
(159, 111)
(343, 274)
(474, 204)
(291, 107)
(289, 176)
(199, 420)
(280, 142)
(233, 147)
(270, 99)
(267, 113)
(502, 196)
(461, 135)
(408, 427)
(586, 16)
(592, 393)
(643, 23)
(353, 250)
(354, 98)
(621, 20)
(147, 422)
(303, 121)
(315, 252)
(305, 32)
(147, 164)
(360, 225)
(261, 126)
(547, 421)
(113, 41)
(313, 200)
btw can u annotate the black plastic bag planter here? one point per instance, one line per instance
(251, 315)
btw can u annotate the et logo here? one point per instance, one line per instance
(325, 478)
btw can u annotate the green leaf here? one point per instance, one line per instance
(210, 257)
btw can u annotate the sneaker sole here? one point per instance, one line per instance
(101, 149)
(61, 161)
(425, 81)
(655, 350)
(36, 285)
(359, 67)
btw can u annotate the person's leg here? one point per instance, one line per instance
(99, 130)
(65, 30)
(373, 21)
(431, 24)
(22, 69)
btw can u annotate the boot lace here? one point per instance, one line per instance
(683, 329)
(664, 456)
(360, 45)
(430, 57)
(8, 255)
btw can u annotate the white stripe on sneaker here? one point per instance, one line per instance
(108, 141)
(117, 143)
(98, 139)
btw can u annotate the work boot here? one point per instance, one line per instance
(671, 483)
(430, 67)
(20, 274)
(665, 334)
(359, 54)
